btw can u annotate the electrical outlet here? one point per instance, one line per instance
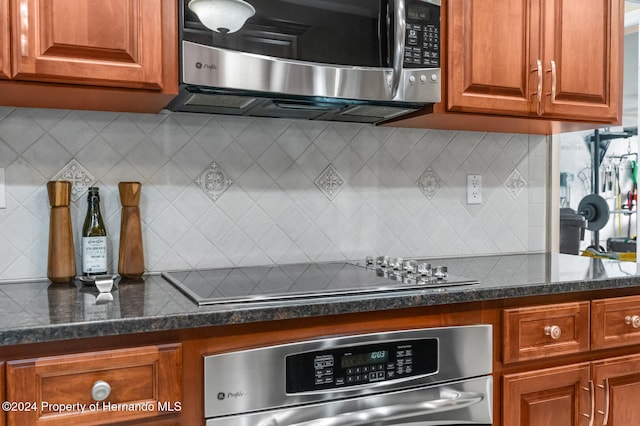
(474, 189)
(3, 197)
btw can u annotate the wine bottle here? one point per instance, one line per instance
(94, 237)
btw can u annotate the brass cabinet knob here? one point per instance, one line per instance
(100, 390)
(633, 321)
(553, 331)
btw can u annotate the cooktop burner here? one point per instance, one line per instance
(309, 280)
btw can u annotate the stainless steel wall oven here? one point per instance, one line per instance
(434, 376)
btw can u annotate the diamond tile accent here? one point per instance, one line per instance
(79, 177)
(429, 183)
(214, 181)
(515, 183)
(330, 182)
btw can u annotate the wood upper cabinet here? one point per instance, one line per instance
(5, 61)
(554, 396)
(108, 387)
(617, 385)
(551, 59)
(116, 43)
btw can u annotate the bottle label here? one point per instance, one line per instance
(94, 255)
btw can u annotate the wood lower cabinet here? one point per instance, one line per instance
(555, 58)
(105, 43)
(615, 322)
(617, 386)
(108, 387)
(5, 57)
(3, 415)
(544, 331)
(555, 396)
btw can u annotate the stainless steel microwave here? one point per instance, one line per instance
(344, 60)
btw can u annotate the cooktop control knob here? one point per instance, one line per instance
(440, 272)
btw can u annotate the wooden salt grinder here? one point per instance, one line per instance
(61, 264)
(130, 255)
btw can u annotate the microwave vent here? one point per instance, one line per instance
(220, 101)
(376, 111)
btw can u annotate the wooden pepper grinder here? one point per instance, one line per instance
(61, 265)
(130, 255)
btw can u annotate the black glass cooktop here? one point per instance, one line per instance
(286, 282)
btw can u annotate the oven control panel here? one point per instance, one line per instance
(360, 365)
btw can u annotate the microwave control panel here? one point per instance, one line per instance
(360, 365)
(422, 38)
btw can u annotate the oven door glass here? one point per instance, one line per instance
(339, 32)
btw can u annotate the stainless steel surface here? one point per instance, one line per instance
(261, 284)
(210, 66)
(459, 403)
(216, 74)
(249, 382)
(399, 43)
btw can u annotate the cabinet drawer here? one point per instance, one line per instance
(544, 331)
(136, 383)
(615, 322)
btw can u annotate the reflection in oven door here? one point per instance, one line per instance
(410, 377)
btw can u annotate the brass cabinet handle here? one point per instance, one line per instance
(633, 321)
(592, 403)
(607, 391)
(24, 27)
(539, 92)
(553, 331)
(553, 81)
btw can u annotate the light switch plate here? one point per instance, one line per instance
(3, 197)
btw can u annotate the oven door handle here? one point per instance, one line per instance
(452, 401)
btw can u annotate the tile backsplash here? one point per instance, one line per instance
(220, 191)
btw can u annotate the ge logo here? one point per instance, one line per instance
(221, 396)
(199, 65)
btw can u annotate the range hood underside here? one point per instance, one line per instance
(257, 104)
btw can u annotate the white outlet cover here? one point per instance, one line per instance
(3, 196)
(474, 189)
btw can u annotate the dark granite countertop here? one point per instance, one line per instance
(39, 311)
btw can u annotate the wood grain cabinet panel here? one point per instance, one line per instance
(2, 397)
(554, 396)
(544, 331)
(94, 42)
(141, 383)
(531, 58)
(5, 52)
(615, 322)
(617, 386)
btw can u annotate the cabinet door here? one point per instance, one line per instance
(617, 387)
(553, 396)
(2, 397)
(5, 64)
(583, 59)
(492, 50)
(91, 42)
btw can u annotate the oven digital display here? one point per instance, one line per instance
(368, 358)
(419, 12)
